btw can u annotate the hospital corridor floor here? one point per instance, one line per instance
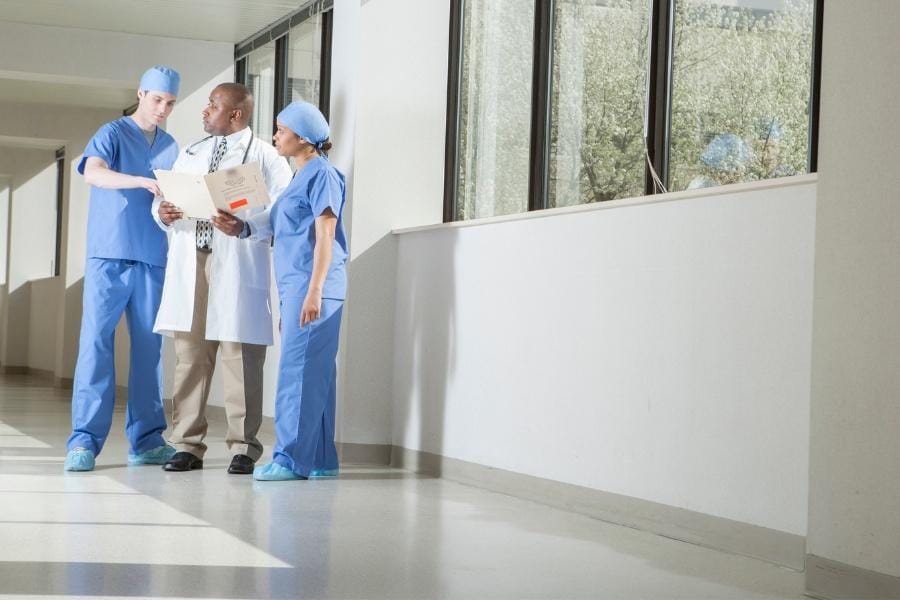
(374, 532)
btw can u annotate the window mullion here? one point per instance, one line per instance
(326, 30)
(540, 104)
(815, 87)
(659, 92)
(451, 146)
(281, 71)
(240, 71)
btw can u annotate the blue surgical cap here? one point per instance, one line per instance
(306, 121)
(161, 79)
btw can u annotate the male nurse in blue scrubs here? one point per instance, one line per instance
(126, 259)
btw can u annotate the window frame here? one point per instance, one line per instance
(60, 199)
(659, 99)
(279, 33)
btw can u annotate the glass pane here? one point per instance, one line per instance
(305, 60)
(261, 81)
(598, 100)
(495, 107)
(741, 90)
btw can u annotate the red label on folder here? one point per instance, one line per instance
(238, 203)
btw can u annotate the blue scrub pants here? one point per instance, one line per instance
(305, 399)
(112, 287)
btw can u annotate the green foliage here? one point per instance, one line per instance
(741, 72)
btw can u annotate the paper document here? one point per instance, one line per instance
(231, 189)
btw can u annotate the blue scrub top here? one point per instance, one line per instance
(119, 222)
(316, 187)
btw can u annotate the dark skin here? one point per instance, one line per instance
(228, 111)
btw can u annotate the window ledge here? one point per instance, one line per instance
(737, 188)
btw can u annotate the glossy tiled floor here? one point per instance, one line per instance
(374, 533)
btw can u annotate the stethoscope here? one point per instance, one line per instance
(191, 150)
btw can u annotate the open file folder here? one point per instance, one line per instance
(231, 190)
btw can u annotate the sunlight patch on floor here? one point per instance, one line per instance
(90, 518)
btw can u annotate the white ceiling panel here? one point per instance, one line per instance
(211, 20)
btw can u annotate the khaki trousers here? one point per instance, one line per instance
(195, 361)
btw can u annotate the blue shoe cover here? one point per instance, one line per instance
(274, 472)
(79, 459)
(321, 473)
(157, 456)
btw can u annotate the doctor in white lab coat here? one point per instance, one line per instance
(216, 292)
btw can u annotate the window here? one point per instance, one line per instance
(305, 61)
(598, 101)
(565, 102)
(289, 60)
(741, 71)
(261, 81)
(495, 108)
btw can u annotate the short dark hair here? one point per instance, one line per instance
(240, 97)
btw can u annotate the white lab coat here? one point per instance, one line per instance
(239, 308)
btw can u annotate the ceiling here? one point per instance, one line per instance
(211, 20)
(229, 21)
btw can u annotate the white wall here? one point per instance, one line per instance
(854, 482)
(33, 250)
(397, 180)
(33, 239)
(659, 351)
(401, 120)
(32, 218)
(32, 200)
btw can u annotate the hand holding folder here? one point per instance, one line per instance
(199, 196)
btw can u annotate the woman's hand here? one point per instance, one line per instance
(227, 223)
(312, 307)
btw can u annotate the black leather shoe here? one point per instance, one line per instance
(183, 461)
(241, 464)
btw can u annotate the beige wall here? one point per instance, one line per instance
(43, 330)
(119, 63)
(70, 127)
(4, 226)
(32, 190)
(855, 408)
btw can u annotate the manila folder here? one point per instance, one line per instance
(188, 192)
(237, 188)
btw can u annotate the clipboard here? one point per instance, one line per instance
(231, 189)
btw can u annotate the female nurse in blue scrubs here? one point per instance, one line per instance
(310, 252)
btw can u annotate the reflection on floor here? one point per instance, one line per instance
(375, 532)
